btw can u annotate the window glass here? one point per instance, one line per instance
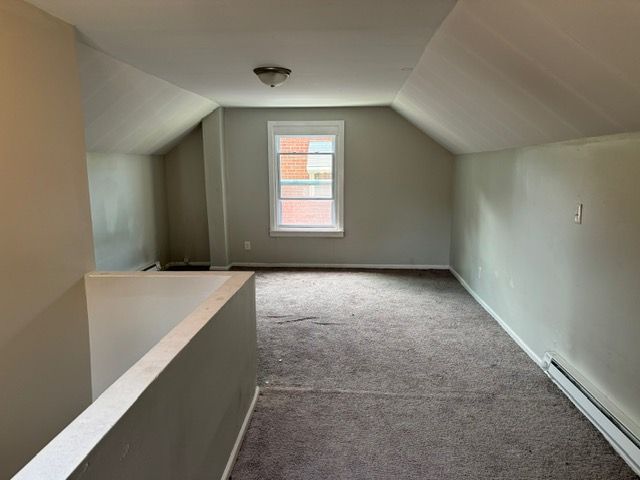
(303, 168)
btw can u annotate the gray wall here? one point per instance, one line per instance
(186, 200)
(128, 210)
(397, 191)
(572, 289)
(46, 234)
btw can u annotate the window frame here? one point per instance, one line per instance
(323, 127)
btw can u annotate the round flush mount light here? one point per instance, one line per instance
(272, 76)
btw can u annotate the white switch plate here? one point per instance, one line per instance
(247, 245)
(578, 216)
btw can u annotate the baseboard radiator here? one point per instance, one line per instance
(619, 436)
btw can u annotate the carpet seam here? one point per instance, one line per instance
(469, 393)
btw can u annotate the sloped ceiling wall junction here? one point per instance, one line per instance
(342, 52)
(501, 74)
(129, 111)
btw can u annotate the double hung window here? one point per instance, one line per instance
(306, 178)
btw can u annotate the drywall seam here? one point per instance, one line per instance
(216, 186)
(223, 180)
(243, 430)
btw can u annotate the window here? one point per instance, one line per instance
(305, 178)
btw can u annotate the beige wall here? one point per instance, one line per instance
(561, 287)
(186, 200)
(46, 234)
(128, 210)
(397, 191)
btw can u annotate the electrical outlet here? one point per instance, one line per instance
(577, 218)
(247, 245)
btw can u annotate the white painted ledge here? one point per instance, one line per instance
(70, 448)
(307, 233)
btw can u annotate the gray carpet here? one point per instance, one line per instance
(402, 375)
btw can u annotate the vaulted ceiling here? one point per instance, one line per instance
(487, 74)
(501, 74)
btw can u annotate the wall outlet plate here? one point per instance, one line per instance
(247, 245)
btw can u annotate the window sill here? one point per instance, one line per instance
(306, 233)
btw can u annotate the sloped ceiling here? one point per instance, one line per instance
(495, 74)
(342, 52)
(129, 111)
(501, 74)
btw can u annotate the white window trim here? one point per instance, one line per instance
(335, 127)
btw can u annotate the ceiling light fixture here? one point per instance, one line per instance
(272, 76)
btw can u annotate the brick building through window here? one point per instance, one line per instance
(306, 180)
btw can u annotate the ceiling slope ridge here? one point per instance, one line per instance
(129, 111)
(394, 101)
(434, 35)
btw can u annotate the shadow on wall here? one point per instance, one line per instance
(62, 342)
(186, 200)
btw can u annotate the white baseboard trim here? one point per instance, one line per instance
(497, 318)
(628, 450)
(372, 266)
(243, 430)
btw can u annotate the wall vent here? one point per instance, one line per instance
(616, 433)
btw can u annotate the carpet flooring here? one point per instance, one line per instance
(402, 375)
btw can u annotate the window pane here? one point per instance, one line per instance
(306, 176)
(306, 143)
(306, 212)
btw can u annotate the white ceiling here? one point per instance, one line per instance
(342, 52)
(129, 111)
(501, 74)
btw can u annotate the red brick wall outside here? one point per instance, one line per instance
(294, 167)
(299, 144)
